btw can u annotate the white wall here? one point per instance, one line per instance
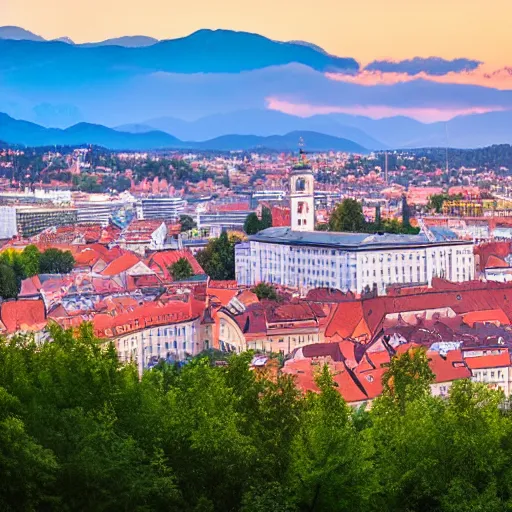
(307, 267)
(8, 227)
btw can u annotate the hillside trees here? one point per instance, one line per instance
(8, 283)
(81, 431)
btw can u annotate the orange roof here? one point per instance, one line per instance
(496, 262)
(489, 361)
(371, 380)
(122, 264)
(449, 368)
(23, 315)
(345, 319)
(150, 314)
(349, 388)
(486, 316)
(30, 287)
(224, 296)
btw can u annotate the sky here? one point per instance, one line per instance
(363, 29)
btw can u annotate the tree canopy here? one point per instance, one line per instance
(265, 291)
(187, 223)
(55, 261)
(253, 224)
(348, 216)
(81, 431)
(218, 258)
(181, 269)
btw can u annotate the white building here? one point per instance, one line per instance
(8, 225)
(97, 212)
(169, 208)
(301, 258)
(147, 346)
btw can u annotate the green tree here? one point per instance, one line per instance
(187, 223)
(218, 258)
(409, 374)
(181, 269)
(347, 216)
(266, 218)
(265, 291)
(328, 457)
(8, 283)
(30, 259)
(27, 469)
(406, 220)
(378, 218)
(55, 261)
(252, 224)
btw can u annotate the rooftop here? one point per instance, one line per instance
(353, 241)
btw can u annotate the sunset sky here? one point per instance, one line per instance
(364, 29)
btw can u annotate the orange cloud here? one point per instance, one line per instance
(428, 115)
(498, 79)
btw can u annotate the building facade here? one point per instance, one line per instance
(301, 258)
(96, 212)
(350, 261)
(31, 221)
(165, 208)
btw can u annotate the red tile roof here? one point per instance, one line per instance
(30, 287)
(488, 361)
(121, 264)
(496, 262)
(150, 314)
(449, 368)
(23, 315)
(496, 316)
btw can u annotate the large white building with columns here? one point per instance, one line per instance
(301, 258)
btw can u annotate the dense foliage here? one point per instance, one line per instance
(181, 269)
(187, 223)
(265, 291)
(80, 432)
(253, 223)
(348, 217)
(218, 258)
(18, 265)
(55, 261)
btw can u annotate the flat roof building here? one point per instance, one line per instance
(301, 258)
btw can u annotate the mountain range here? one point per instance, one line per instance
(20, 34)
(14, 131)
(214, 83)
(205, 50)
(392, 132)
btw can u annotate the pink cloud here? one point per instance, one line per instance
(497, 79)
(374, 111)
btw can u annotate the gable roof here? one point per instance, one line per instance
(121, 264)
